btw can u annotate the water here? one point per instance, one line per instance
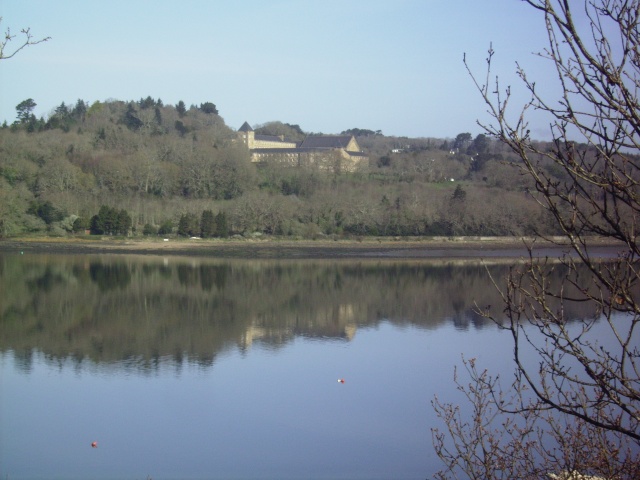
(205, 369)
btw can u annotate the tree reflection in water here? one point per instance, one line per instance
(135, 312)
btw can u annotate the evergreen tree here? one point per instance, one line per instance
(79, 225)
(123, 223)
(95, 226)
(462, 140)
(107, 221)
(80, 110)
(459, 194)
(61, 118)
(207, 224)
(147, 102)
(158, 115)
(222, 225)
(62, 111)
(131, 119)
(166, 227)
(188, 226)
(209, 108)
(46, 211)
(180, 128)
(181, 109)
(24, 110)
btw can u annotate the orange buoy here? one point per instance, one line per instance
(94, 444)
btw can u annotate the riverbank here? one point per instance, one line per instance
(275, 247)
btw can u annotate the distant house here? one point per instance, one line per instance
(336, 153)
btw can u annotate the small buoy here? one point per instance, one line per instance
(94, 444)
(341, 380)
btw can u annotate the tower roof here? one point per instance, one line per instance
(245, 128)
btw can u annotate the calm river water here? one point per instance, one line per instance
(195, 368)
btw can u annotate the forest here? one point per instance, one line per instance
(136, 168)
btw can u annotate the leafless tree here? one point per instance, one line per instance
(576, 409)
(26, 39)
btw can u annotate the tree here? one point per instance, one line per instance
(180, 128)
(188, 225)
(581, 395)
(384, 161)
(131, 118)
(149, 229)
(462, 140)
(61, 118)
(361, 132)
(480, 144)
(80, 110)
(181, 109)
(25, 42)
(123, 223)
(46, 211)
(110, 221)
(158, 116)
(24, 110)
(166, 227)
(79, 225)
(292, 133)
(207, 224)
(209, 108)
(148, 102)
(222, 225)
(459, 195)
(62, 110)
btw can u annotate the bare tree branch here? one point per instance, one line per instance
(25, 41)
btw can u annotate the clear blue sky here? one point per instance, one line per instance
(327, 65)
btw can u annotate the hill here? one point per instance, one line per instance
(143, 168)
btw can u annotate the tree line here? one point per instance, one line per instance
(165, 165)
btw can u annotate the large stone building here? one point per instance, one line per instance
(336, 153)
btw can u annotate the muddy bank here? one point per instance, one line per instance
(460, 247)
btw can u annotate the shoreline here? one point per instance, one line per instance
(274, 247)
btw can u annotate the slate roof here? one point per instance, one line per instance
(270, 138)
(326, 141)
(245, 128)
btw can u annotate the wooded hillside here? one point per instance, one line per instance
(145, 168)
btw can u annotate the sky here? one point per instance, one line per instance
(326, 65)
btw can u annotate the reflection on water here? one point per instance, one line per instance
(210, 369)
(138, 310)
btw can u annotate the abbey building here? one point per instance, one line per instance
(336, 153)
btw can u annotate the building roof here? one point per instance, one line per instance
(326, 141)
(271, 138)
(245, 128)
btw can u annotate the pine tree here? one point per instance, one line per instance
(222, 225)
(207, 224)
